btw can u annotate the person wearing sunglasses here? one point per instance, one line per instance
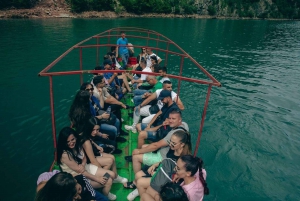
(145, 154)
(190, 169)
(178, 145)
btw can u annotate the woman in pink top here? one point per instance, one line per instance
(190, 169)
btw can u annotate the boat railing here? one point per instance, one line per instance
(101, 42)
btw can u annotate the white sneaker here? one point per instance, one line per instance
(133, 195)
(130, 128)
(122, 119)
(111, 196)
(120, 179)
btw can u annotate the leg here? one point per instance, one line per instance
(146, 197)
(147, 120)
(143, 184)
(106, 163)
(110, 130)
(100, 197)
(137, 100)
(141, 138)
(139, 92)
(124, 77)
(153, 193)
(137, 162)
(113, 165)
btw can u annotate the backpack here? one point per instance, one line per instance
(163, 174)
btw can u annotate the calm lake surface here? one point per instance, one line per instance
(250, 143)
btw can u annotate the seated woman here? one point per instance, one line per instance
(104, 160)
(190, 169)
(85, 106)
(172, 192)
(71, 159)
(85, 191)
(60, 187)
(179, 144)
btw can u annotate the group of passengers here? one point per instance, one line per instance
(164, 169)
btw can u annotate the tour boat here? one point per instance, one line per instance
(89, 53)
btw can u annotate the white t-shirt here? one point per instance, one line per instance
(159, 103)
(144, 76)
(148, 59)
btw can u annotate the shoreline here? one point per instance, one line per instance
(46, 13)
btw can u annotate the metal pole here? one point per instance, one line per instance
(202, 120)
(97, 54)
(167, 53)
(180, 74)
(80, 57)
(53, 117)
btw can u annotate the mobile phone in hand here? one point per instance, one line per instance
(106, 175)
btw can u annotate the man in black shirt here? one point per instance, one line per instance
(148, 131)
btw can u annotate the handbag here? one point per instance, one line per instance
(111, 120)
(163, 174)
(154, 109)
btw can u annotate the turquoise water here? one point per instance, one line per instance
(250, 143)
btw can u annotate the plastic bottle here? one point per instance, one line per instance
(137, 111)
(108, 110)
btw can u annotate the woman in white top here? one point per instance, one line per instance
(71, 159)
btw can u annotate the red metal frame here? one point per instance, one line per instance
(114, 33)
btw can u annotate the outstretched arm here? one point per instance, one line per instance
(151, 147)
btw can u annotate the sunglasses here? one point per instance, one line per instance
(172, 144)
(143, 49)
(90, 89)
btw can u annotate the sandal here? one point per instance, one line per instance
(129, 185)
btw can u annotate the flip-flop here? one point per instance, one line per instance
(129, 185)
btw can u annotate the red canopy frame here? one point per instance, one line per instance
(139, 34)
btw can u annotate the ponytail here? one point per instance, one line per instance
(194, 164)
(203, 181)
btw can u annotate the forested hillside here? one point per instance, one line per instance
(217, 8)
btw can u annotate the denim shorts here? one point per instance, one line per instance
(151, 135)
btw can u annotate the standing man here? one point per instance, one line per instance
(122, 50)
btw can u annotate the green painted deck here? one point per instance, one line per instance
(124, 168)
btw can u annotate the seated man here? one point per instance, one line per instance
(100, 91)
(135, 81)
(114, 80)
(144, 155)
(149, 111)
(163, 77)
(140, 94)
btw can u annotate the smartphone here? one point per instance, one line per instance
(106, 175)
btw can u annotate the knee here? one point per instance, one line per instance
(143, 135)
(138, 126)
(112, 174)
(110, 161)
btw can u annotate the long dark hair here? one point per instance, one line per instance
(172, 192)
(83, 86)
(60, 187)
(186, 139)
(88, 128)
(193, 164)
(80, 110)
(63, 146)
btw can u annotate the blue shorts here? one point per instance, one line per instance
(151, 135)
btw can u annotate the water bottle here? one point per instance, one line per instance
(108, 111)
(137, 111)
